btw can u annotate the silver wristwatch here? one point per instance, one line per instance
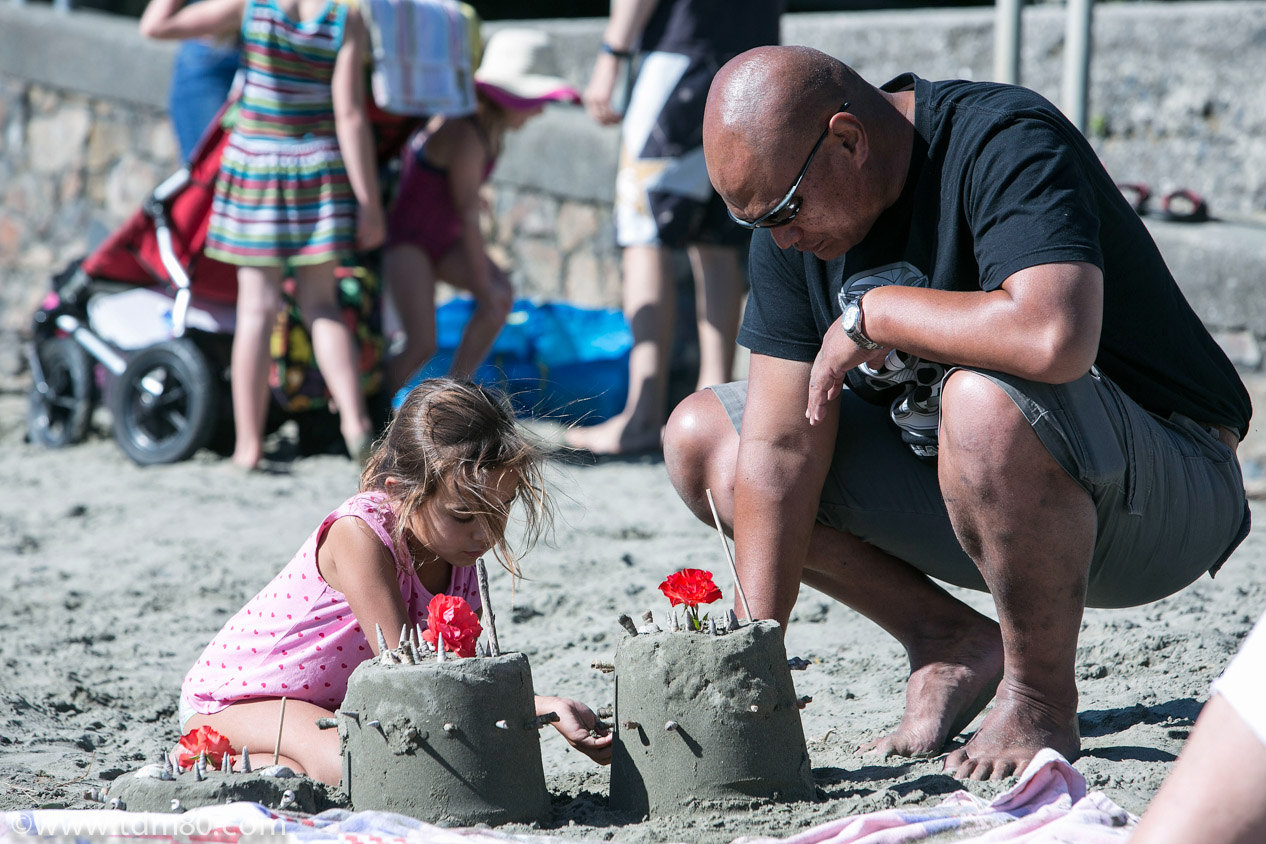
(851, 322)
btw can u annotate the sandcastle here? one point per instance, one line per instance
(444, 740)
(451, 741)
(706, 715)
(164, 788)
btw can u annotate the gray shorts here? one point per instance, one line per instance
(1168, 494)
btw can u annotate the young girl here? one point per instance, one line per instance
(434, 498)
(297, 187)
(433, 226)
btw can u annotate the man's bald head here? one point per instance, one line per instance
(766, 95)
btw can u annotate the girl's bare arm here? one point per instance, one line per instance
(355, 138)
(171, 19)
(353, 560)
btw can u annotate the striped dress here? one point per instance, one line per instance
(283, 194)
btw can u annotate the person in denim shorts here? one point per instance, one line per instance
(970, 364)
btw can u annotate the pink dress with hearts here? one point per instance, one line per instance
(298, 637)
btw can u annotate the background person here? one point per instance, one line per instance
(297, 187)
(663, 198)
(433, 225)
(1084, 435)
(1214, 794)
(202, 75)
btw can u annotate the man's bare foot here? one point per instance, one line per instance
(1020, 724)
(618, 435)
(950, 681)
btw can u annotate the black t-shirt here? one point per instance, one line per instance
(1000, 181)
(712, 29)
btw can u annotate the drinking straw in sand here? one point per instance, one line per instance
(738, 587)
(490, 621)
(281, 719)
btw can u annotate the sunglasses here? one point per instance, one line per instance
(786, 210)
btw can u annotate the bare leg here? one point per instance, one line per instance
(955, 653)
(304, 748)
(718, 296)
(335, 350)
(493, 303)
(410, 279)
(1030, 529)
(649, 307)
(258, 298)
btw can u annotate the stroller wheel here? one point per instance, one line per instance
(59, 416)
(164, 403)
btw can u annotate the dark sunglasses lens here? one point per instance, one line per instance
(784, 215)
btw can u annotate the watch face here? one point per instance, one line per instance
(851, 314)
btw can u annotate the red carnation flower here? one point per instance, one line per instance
(203, 740)
(452, 617)
(691, 587)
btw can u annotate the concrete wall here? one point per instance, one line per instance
(1176, 101)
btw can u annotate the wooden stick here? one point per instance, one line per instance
(490, 621)
(281, 719)
(716, 519)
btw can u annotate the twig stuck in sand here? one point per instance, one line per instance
(738, 587)
(490, 620)
(281, 722)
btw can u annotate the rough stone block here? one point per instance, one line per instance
(577, 224)
(127, 185)
(56, 141)
(540, 266)
(108, 141)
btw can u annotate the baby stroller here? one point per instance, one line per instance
(144, 324)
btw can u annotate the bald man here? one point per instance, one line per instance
(969, 365)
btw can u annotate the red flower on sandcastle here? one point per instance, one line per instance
(691, 587)
(203, 740)
(452, 617)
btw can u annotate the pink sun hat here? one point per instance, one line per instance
(518, 71)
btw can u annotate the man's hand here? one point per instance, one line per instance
(837, 356)
(577, 723)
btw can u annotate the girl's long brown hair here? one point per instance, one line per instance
(456, 432)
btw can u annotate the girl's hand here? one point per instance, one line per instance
(577, 723)
(371, 227)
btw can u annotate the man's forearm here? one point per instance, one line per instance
(775, 507)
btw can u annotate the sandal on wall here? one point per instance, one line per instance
(1137, 194)
(1184, 206)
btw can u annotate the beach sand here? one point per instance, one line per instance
(113, 578)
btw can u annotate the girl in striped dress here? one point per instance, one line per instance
(297, 187)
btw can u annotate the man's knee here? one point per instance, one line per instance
(978, 417)
(700, 444)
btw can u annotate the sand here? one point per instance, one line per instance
(114, 577)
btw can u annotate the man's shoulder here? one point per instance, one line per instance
(987, 100)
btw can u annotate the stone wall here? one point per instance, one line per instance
(83, 135)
